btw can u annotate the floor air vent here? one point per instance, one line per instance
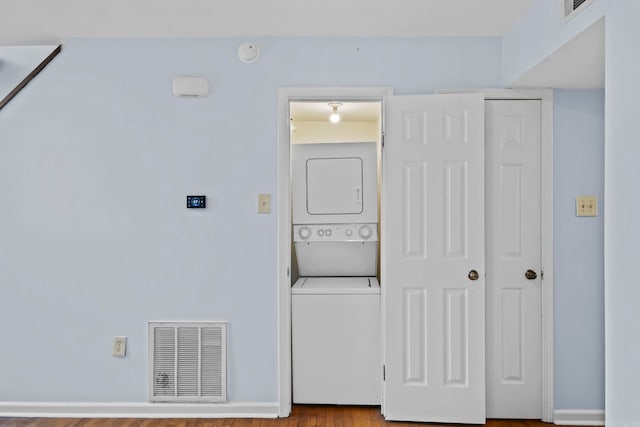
(188, 361)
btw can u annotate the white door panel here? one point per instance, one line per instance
(514, 357)
(432, 237)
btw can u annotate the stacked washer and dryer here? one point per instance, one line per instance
(336, 300)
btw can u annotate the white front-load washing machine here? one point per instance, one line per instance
(336, 340)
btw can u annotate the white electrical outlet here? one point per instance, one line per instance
(119, 346)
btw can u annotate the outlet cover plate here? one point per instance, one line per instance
(119, 346)
(264, 203)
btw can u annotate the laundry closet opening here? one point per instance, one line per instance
(335, 252)
(450, 161)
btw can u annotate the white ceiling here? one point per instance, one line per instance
(52, 21)
(349, 111)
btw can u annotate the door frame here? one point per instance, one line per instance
(286, 95)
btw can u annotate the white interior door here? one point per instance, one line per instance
(432, 244)
(514, 356)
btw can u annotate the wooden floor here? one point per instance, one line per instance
(302, 416)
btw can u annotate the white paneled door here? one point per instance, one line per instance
(514, 376)
(432, 264)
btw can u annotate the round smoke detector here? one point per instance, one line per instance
(248, 52)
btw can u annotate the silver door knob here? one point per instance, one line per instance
(531, 275)
(473, 275)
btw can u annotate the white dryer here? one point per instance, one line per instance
(335, 183)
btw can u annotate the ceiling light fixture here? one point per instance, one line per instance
(334, 117)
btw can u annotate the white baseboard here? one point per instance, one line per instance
(578, 417)
(138, 410)
(623, 423)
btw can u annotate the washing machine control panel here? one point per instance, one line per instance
(335, 232)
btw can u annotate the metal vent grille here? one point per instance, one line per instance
(188, 361)
(572, 5)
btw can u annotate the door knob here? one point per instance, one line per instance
(531, 275)
(473, 275)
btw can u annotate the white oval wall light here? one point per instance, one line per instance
(335, 116)
(248, 52)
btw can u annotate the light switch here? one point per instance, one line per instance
(264, 203)
(587, 206)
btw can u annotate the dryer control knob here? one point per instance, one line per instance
(327, 232)
(304, 233)
(348, 232)
(365, 232)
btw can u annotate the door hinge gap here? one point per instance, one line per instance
(384, 374)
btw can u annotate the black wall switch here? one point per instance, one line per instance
(196, 202)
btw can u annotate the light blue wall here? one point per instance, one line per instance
(96, 158)
(578, 250)
(16, 62)
(622, 219)
(530, 42)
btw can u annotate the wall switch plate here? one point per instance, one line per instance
(264, 203)
(119, 346)
(587, 206)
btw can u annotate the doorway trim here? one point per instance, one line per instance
(286, 95)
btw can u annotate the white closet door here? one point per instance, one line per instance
(432, 250)
(514, 357)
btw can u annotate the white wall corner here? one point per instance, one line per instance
(578, 417)
(138, 410)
